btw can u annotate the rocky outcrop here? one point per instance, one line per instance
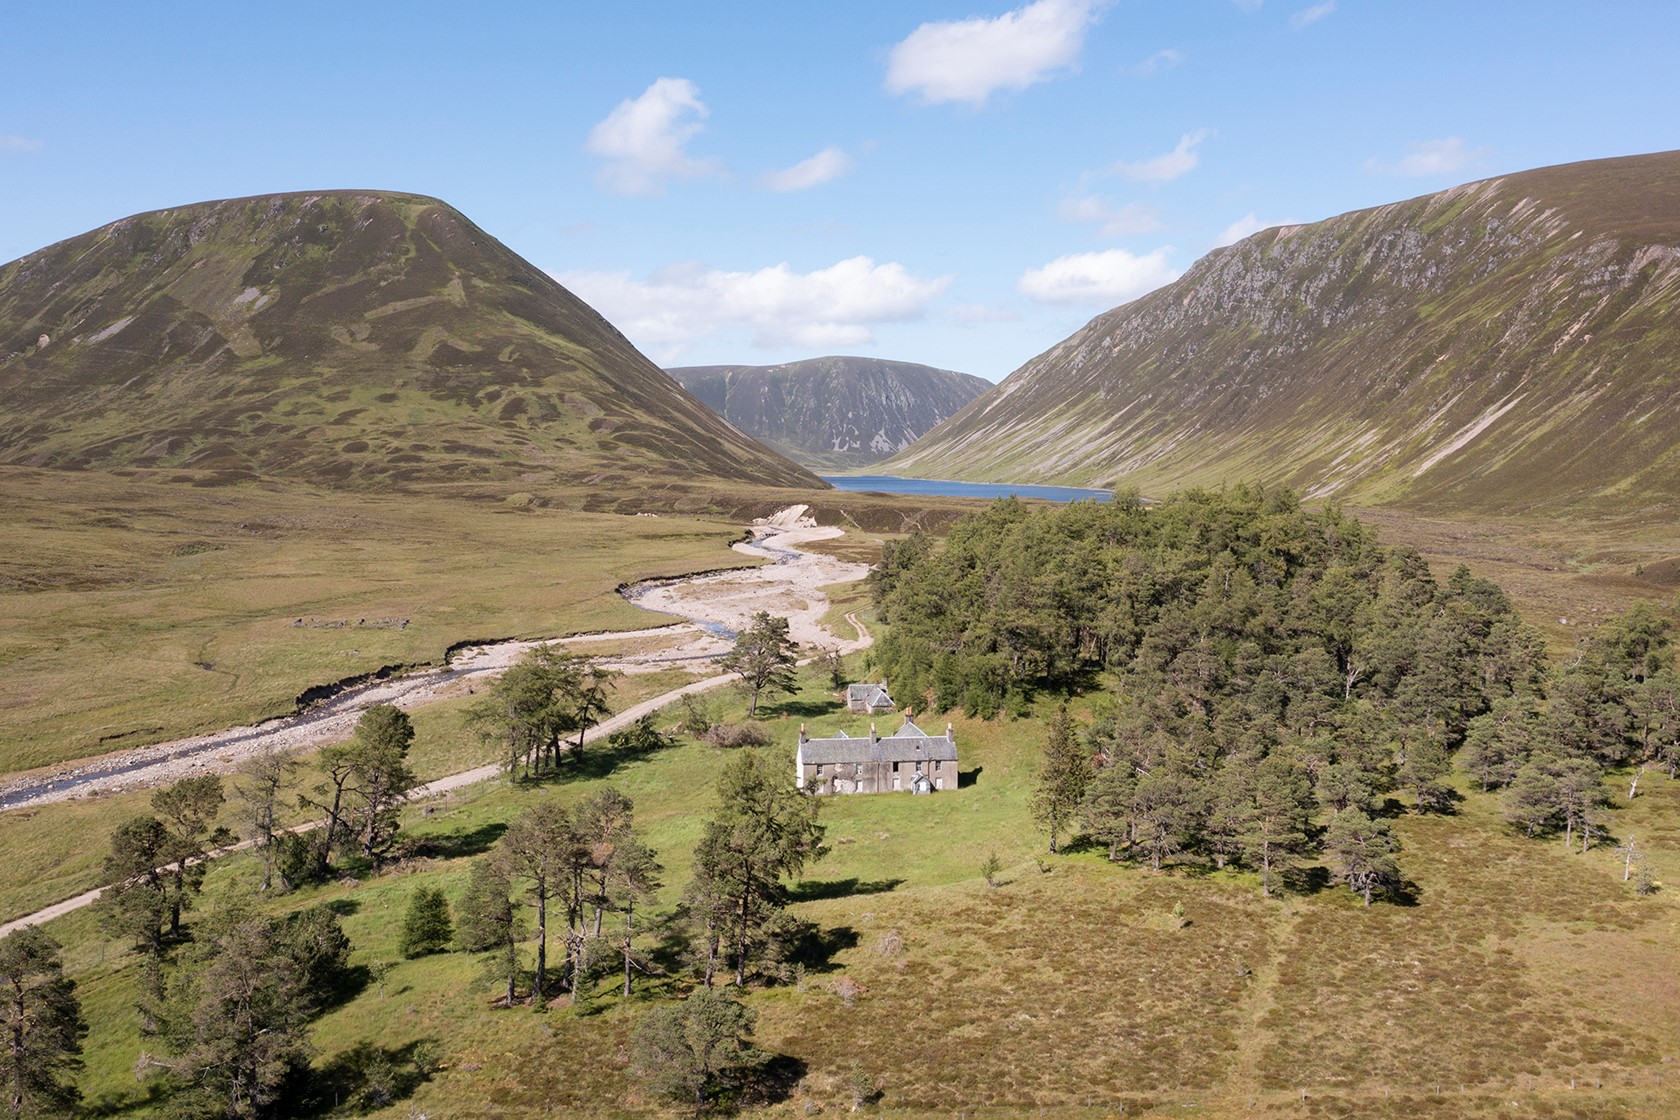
(835, 413)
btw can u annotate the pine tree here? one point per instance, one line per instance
(1168, 811)
(380, 779)
(538, 848)
(764, 658)
(258, 785)
(1363, 850)
(1063, 778)
(765, 830)
(1274, 826)
(134, 905)
(426, 926)
(684, 1050)
(240, 1007)
(41, 1026)
(188, 810)
(1106, 810)
(489, 922)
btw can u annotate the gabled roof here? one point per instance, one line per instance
(871, 694)
(908, 744)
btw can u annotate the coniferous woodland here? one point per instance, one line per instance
(1281, 682)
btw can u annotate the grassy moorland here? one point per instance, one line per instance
(1518, 980)
(133, 612)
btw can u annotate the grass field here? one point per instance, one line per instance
(135, 612)
(1521, 981)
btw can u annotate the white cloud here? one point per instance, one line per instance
(1246, 226)
(1160, 60)
(643, 139)
(825, 166)
(1116, 221)
(1306, 17)
(13, 143)
(1104, 279)
(1161, 168)
(971, 59)
(827, 308)
(1428, 157)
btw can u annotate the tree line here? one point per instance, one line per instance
(577, 876)
(1278, 679)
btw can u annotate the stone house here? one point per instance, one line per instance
(868, 699)
(909, 760)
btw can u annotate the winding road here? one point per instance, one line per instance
(710, 605)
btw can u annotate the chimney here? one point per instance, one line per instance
(950, 734)
(874, 737)
(802, 733)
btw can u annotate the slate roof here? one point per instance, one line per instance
(908, 744)
(872, 695)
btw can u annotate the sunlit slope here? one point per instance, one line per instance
(1508, 345)
(356, 338)
(840, 413)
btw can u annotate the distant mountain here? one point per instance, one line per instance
(1507, 345)
(354, 338)
(833, 413)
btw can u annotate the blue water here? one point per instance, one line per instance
(945, 489)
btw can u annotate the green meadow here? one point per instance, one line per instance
(1518, 980)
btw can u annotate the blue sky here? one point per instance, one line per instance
(957, 183)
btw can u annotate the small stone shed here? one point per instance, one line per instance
(869, 699)
(907, 761)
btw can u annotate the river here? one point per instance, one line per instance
(713, 608)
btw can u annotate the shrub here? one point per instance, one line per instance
(736, 735)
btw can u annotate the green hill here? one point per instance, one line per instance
(355, 338)
(1509, 345)
(836, 413)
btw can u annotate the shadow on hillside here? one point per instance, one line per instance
(1407, 893)
(343, 986)
(806, 943)
(458, 845)
(966, 778)
(364, 1079)
(342, 907)
(1391, 808)
(599, 760)
(769, 1083)
(1082, 843)
(810, 890)
(108, 1104)
(802, 709)
(1303, 880)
